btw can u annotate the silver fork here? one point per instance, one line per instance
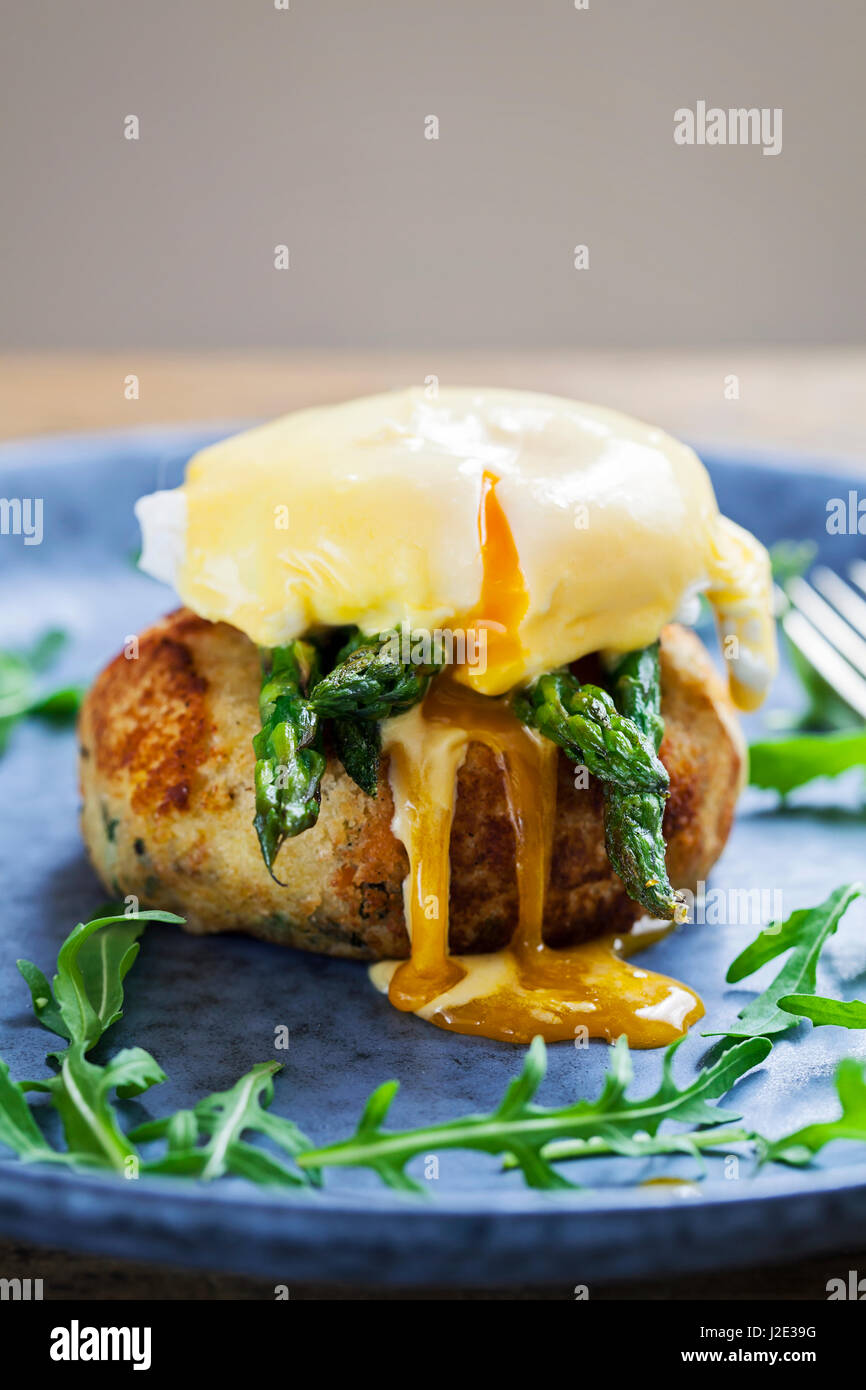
(826, 621)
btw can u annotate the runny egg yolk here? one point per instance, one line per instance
(504, 598)
(528, 988)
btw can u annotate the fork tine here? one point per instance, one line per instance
(842, 596)
(834, 629)
(857, 571)
(826, 660)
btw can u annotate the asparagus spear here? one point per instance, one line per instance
(288, 748)
(636, 849)
(617, 741)
(633, 820)
(357, 741)
(356, 733)
(373, 681)
(358, 747)
(636, 689)
(584, 721)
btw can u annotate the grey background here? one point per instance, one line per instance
(306, 127)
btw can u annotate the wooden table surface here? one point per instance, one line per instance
(812, 401)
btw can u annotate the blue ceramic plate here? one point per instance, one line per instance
(207, 1007)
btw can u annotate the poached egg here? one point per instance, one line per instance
(536, 529)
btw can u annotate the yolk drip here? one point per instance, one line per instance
(528, 988)
(423, 777)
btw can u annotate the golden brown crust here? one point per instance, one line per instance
(161, 748)
(167, 781)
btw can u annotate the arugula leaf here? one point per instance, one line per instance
(222, 1119)
(783, 764)
(213, 1139)
(46, 649)
(16, 680)
(87, 997)
(16, 684)
(525, 1132)
(88, 988)
(18, 697)
(844, 1014)
(60, 706)
(80, 1094)
(18, 1128)
(791, 559)
(695, 1143)
(801, 1146)
(85, 1000)
(804, 934)
(44, 1004)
